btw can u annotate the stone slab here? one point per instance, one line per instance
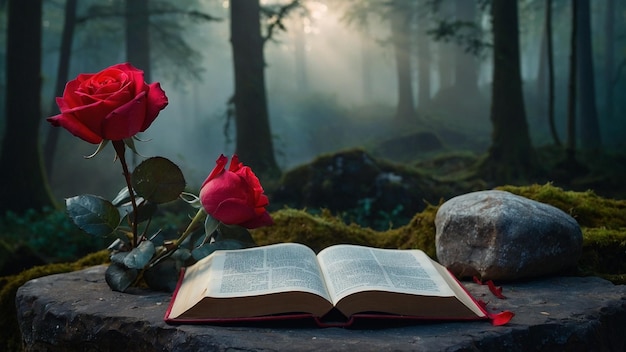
(77, 311)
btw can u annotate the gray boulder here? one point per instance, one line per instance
(497, 235)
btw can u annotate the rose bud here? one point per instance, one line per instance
(235, 196)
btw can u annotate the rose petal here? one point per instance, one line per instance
(89, 115)
(125, 121)
(69, 99)
(70, 123)
(235, 165)
(219, 167)
(137, 76)
(501, 318)
(262, 220)
(235, 196)
(227, 185)
(233, 211)
(157, 101)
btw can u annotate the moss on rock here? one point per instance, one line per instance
(589, 209)
(317, 232)
(603, 224)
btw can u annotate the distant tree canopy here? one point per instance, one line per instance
(169, 51)
(417, 58)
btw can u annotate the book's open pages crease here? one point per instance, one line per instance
(290, 279)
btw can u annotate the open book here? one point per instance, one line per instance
(289, 279)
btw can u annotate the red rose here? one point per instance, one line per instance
(113, 104)
(235, 196)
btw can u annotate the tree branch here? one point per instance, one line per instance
(159, 12)
(275, 17)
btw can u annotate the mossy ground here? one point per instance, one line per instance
(321, 231)
(603, 223)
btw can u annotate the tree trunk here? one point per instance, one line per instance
(550, 57)
(589, 127)
(570, 148)
(254, 140)
(445, 52)
(510, 157)
(609, 43)
(541, 99)
(423, 64)
(300, 57)
(23, 185)
(466, 66)
(138, 36)
(401, 39)
(365, 48)
(63, 69)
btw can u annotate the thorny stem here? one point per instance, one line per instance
(120, 150)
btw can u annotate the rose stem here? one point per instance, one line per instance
(120, 149)
(199, 217)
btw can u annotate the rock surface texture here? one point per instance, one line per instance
(501, 236)
(78, 312)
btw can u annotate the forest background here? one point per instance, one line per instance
(482, 77)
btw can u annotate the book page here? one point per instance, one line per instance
(193, 286)
(263, 270)
(349, 269)
(460, 292)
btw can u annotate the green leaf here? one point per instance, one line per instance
(124, 205)
(122, 197)
(181, 255)
(119, 257)
(163, 276)
(209, 248)
(158, 180)
(140, 256)
(119, 277)
(145, 211)
(235, 232)
(92, 214)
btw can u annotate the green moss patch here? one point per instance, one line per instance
(589, 209)
(603, 223)
(321, 231)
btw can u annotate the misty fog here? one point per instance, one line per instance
(320, 73)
